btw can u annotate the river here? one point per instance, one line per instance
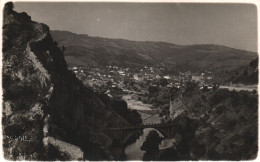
(133, 151)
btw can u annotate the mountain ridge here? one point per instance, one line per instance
(151, 41)
(83, 49)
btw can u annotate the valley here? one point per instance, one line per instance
(70, 96)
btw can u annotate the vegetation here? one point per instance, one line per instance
(228, 119)
(151, 145)
(84, 49)
(120, 107)
(247, 74)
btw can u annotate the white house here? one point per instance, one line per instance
(195, 78)
(167, 77)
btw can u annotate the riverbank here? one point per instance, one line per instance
(148, 115)
(136, 105)
(133, 151)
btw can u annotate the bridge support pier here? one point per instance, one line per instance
(168, 131)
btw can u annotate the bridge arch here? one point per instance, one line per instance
(167, 130)
(163, 132)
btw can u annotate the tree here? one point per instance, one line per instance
(63, 48)
(190, 87)
(153, 90)
(254, 63)
(109, 83)
(173, 92)
(163, 82)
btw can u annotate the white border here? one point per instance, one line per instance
(255, 2)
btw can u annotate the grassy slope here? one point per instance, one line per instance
(82, 49)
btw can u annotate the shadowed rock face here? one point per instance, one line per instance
(43, 100)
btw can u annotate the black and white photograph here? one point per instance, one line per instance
(129, 80)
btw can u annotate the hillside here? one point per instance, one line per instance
(48, 114)
(219, 125)
(246, 74)
(83, 49)
(228, 128)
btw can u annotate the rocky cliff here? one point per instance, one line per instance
(48, 114)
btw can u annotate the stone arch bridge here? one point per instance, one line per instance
(167, 130)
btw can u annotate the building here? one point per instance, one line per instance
(195, 78)
(138, 78)
(209, 77)
(158, 76)
(176, 108)
(167, 77)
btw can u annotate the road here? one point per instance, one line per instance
(238, 88)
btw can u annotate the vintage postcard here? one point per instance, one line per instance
(129, 80)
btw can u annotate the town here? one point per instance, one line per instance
(103, 78)
(145, 89)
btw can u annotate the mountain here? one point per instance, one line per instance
(48, 114)
(83, 49)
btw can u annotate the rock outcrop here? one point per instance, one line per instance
(47, 111)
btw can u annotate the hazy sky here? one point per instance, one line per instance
(233, 25)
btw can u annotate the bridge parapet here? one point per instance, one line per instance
(163, 128)
(158, 123)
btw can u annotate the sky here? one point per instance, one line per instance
(232, 25)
